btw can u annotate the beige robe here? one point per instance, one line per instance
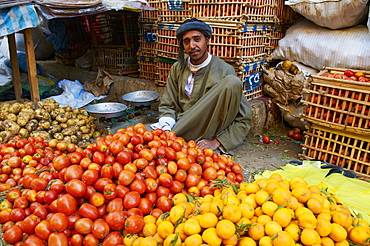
(217, 107)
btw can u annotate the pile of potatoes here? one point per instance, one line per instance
(46, 119)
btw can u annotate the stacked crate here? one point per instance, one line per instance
(338, 113)
(115, 42)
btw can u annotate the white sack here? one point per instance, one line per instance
(320, 47)
(333, 14)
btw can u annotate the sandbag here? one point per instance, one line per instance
(319, 47)
(333, 14)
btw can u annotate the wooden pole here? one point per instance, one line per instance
(15, 67)
(31, 65)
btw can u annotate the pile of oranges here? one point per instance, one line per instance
(268, 212)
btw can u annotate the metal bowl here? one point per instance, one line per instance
(141, 98)
(106, 110)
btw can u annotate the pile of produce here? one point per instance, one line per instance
(349, 75)
(54, 193)
(46, 119)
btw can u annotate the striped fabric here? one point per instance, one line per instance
(17, 18)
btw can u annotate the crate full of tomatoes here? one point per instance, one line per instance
(54, 193)
(339, 98)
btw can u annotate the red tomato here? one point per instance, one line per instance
(152, 197)
(297, 136)
(73, 172)
(58, 239)
(113, 238)
(110, 191)
(100, 228)
(165, 179)
(98, 157)
(138, 185)
(164, 203)
(101, 182)
(76, 188)
(236, 168)
(67, 204)
(13, 234)
(90, 176)
(58, 222)
(116, 146)
(150, 172)
(156, 212)
(106, 171)
(145, 205)
(76, 240)
(124, 157)
(12, 194)
(50, 196)
(38, 184)
(150, 185)
(115, 204)
(134, 224)
(192, 180)
(176, 187)
(84, 226)
(126, 177)
(42, 230)
(72, 220)
(131, 200)
(209, 174)
(116, 220)
(180, 175)
(33, 240)
(61, 162)
(122, 191)
(17, 214)
(162, 191)
(41, 211)
(88, 211)
(29, 224)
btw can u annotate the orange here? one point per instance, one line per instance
(148, 241)
(360, 222)
(276, 176)
(342, 243)
(261, 182)
(172, 240)
(281, 196)
(244, 223)
(307, 220)
(323, 227)
(249, 188)
(338, 233)
(247, 210)
(327, 241)
(258, 211)
(177, 214)
(150, 229)
(179, 197)
(192, 226)
(272, 227)
(359, 234)
(315, 205)
(205, 207)
(263, 219)
(282, 238)
(208, 220)
(246, 241)
(188, 207)
(207, 198)
(231, 241)
(261, 197)
(157, 238)
(193, 240)
(315, 189)
(294, 230)
(310, 237)
(216, 207)
(241, 194)
(265, 241)
(210, 237)
(282, 216)
(284, 184)
(301, 210)
(181, 231)
(149, 219)
(256, 231)
(232, 212)
(129, 239)
(225, 229)
(271, 186)
(269, 208)
(231, 200)
(165, 228)
(294, 204)
(302, 193)
(324, 215)
(343, 218)
(297, 181)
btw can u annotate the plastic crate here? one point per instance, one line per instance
(116, 61)
(253, 11)
(342, 148)
(148, 68)
(338, 103)
(115, 29)
(164, 67)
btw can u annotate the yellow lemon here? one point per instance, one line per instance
(232, 212)
(269, 208)
(263, 219)
(193, 240)
(192, 226)
(216, 206)
(165, 228)
(225, 229)
(177, 214)
(247, 210)
(338, 233)
(172, 240)
(294, 230)
(231, 241)
(256, 231)
(323, 227)
(310, 237)
(261, 197)
(282, 238)
(210, 237)
(181, 231)
(208, 220)
(282, 216)
(247, 241)
(148, 241)
(179, 197)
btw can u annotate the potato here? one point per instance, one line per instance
(83, 144)
(85, 136)
(68, 109)
(72, 122)
(11, 126)
(42, 114)
(22, 120)
(28, 110)
(43, 134)
(11, 117)
(58, 136)
(55, 129)
(23, 133)
(50, 100)
(75, 111)
(32, 125)
(71, 130)
(6, 135)
(30, 105)
(85, 129)
(63, 125)
(3, 115)
(14, 108)
(74, 139)
(61, 118)
(4, 107)
(45, 124)
(55, 113)
(81, 122)
(69, 115)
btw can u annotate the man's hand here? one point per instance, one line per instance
(210, 144)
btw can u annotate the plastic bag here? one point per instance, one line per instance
(333, 14)
(320, 47)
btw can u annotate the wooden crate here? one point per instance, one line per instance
(148, 39)
(174, 16)
(167, 44)
(253, 11)
(338, 103)
(150, 16)
(164, 67)
(116, 61)
(342, 148)
(174, 5)
(115, 29)
(148, 67)
(273, 38)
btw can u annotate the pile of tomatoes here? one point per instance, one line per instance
(74, 196)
